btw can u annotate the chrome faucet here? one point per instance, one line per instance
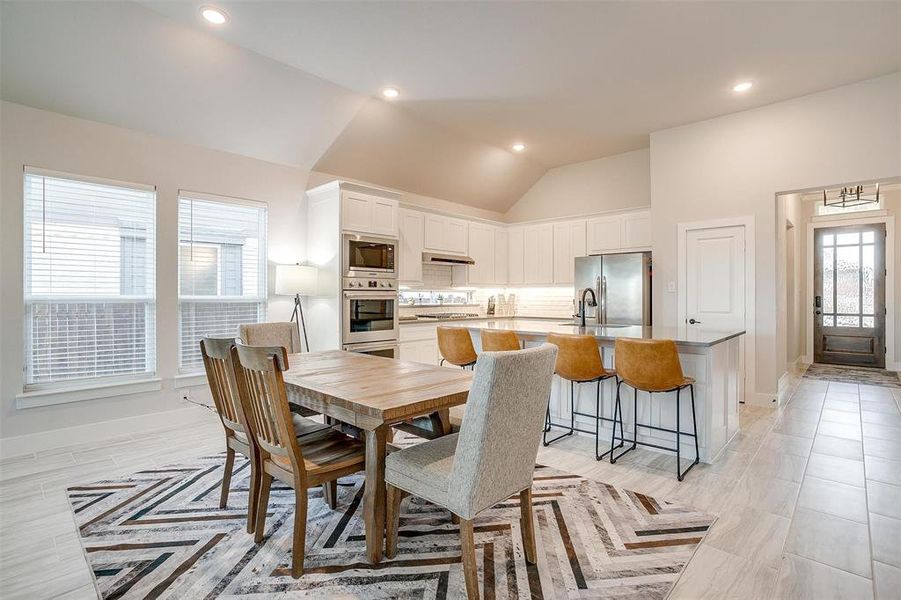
(582, 304)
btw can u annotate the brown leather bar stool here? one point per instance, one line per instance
(499, 340)
(652, 366)
(579, 361)
(455, 346)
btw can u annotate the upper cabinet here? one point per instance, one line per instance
(501, 256)
(445, 234)
(365, 213)
(483, 250)
(410, 237)
(516, 259)
(569, 242)
(538, 254)
(618, 233)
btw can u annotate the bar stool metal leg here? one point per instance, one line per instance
(678, 429)
(572, 419)
(634, 417)
(597, 426)
(694, 422)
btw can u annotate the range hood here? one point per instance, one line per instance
(432, 258)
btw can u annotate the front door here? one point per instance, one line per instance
(849, 295)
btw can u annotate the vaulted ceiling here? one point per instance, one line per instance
(295, 82)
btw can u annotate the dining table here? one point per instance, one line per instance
(374, 393)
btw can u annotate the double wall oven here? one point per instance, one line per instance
(369, 305)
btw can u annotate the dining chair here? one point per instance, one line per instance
(490, 460)
(280, 333)
(300, 461)
(498, 340)
(217, 362)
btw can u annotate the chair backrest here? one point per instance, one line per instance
(498, 441)
(282, 334)
(455, 345)
(650, 365)
(579, 358)
(220, 375)
(499, 340)
(262, 387)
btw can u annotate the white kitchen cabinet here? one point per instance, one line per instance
(445, 234)
(637, 230)
(362, 213)
(516, 256)
(419, 343)
(605, 234)
(538, 254)
(569, 242)
(482, 249)
(501, 254)
(409, 258)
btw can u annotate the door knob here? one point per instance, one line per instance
(693, 322)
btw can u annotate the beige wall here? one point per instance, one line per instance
(735, 165)
(611, 183)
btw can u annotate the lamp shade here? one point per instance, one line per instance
(296, 279)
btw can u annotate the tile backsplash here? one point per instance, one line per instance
(553, 302)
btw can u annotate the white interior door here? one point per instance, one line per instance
(715, 278)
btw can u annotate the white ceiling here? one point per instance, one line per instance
(575, 81)
(292, 82)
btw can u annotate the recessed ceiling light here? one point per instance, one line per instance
(744, 86)
(518, 147)
(214, 15)
(390, 93)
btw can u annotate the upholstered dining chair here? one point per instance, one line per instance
(499, 340)
(300, 460)
(490, 460)
(216, 353)
(282, 334)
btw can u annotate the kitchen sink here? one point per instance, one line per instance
(595, 325)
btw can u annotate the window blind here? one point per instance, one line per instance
(90, 309)
(221, 270)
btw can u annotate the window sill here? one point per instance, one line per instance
(190, 380)
(64, 395)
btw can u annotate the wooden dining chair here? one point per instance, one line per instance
(279, 333)
(217, 361)
(490, 460)
(300, 461)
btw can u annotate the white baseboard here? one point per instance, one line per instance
(760, 398)
(102, 430)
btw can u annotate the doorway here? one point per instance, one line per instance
(849, 295)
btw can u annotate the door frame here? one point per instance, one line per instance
(839, 221)
(750, 383)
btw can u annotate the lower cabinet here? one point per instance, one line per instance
(419, 343)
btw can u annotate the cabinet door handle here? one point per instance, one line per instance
(693, 322)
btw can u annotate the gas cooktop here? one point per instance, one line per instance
(448, 315)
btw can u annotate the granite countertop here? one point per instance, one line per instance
(538, 328)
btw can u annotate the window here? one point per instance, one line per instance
(90, 309)
(221, 270)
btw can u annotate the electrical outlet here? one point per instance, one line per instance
(671, 287)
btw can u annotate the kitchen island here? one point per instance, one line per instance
(713, 358)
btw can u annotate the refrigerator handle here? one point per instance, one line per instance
(601, 312)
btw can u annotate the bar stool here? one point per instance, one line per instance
(499, 340)
(455, 346)
(652, 366)
(579, 361)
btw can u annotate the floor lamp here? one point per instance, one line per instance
(297, 280)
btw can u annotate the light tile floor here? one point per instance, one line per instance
(807, 509)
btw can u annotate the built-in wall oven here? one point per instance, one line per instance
(369, 256)
(370, 315)
(387, 349)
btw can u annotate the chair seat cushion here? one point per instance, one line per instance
(424, 469)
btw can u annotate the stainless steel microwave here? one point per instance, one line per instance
(369, 256)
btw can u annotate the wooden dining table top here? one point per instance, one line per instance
(382, 389)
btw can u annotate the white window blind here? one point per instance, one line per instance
(90, 309)
(221, 270)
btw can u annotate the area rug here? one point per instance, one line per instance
(860, 375)
(160, 534)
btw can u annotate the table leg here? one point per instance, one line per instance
(443, 418)
(374, 496)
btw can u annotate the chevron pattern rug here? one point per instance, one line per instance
(160, 534)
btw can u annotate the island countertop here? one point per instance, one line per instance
(682, 335)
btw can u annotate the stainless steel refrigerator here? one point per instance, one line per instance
(622, 284)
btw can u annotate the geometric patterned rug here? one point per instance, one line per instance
(160, 534)
(861, 375)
